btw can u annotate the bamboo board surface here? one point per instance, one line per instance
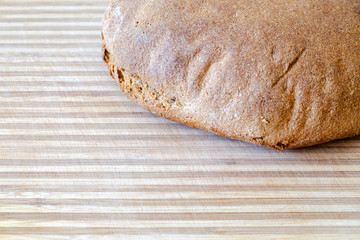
(80, 161)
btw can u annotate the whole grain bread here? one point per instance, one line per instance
(283, 74)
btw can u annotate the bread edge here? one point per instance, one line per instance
(170, 108)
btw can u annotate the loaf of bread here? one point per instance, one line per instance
(284, 74)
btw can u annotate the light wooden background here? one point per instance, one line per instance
(80, 161)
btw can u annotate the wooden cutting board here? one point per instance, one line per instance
(80, 161)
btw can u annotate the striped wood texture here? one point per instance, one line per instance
(80, 161)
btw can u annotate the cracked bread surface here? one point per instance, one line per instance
(283, 74)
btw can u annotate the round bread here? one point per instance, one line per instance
(283, 74)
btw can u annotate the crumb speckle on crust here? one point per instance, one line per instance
(138, 89)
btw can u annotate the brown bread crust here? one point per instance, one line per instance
(284, 74)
